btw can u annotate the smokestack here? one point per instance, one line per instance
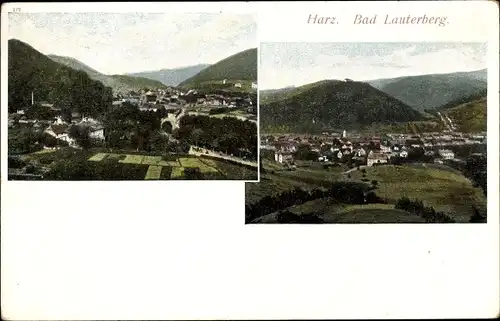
(32, 99)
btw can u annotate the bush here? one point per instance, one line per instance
(287, 217)
(193, 173)
(426, 212)
(82, 169)
(15, 162)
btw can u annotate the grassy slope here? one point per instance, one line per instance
(241, 66)
(443, 188)
(469, 116)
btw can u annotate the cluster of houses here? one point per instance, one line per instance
(175, 98)
(239, 84)
(368, 150)
(59, 128)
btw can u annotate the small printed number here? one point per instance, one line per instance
(16, 10)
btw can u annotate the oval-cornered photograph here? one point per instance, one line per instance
(132, 96)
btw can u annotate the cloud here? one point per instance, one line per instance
(284, 64)
(129, 42)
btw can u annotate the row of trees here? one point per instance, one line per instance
(343, 192)
(28, 139)
(228, 135)
(428, 213)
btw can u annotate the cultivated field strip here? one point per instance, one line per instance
(160, 169)
(154, 172)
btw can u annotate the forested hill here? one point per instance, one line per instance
(334, 104)
(30, 71)
(241, 66)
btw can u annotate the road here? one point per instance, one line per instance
(447, 121)
(174, 118)
(221, 156)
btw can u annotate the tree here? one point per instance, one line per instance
(374, 183)
(81, 134)
(196, 135)
(167, 127)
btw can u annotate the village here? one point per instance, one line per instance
(369, 150)
(173, 100)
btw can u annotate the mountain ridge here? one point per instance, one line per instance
(119, 83)
(429, 91)
(173, 76)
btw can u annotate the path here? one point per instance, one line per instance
(221, 156)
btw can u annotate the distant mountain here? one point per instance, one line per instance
(30, 71)
(171, 77)
(334, 104)
(431, 91)
(268, 95)
(241, 66)
(119, 83)
(468, 116)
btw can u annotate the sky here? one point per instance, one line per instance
(296, 64)
(118, 43)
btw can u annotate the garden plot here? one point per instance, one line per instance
(196, 162)
(132, 159)
(151, 160)
(173, 163)
(154, 172)
(177, 172)
(209, 166)
(115, 156)
(98, 157)
(190, 162)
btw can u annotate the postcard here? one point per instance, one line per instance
(345, 156)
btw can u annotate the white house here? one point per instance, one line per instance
(446, 154)
(237, 85)
(385, 149)
(97, 132)
(254, 85)
(376, 158)
(224, 81)
(360, 152)
(60, 131)
(403, 154)
(283, 157)
(59, 121)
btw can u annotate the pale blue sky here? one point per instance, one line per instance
(129, 42)
(295, 64)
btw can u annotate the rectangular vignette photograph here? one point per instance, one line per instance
(114, 248)
(371, 133)
(132, 96)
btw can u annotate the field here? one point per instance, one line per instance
(70, 164)
(441, 187)
(277, 179)
(445, 190)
